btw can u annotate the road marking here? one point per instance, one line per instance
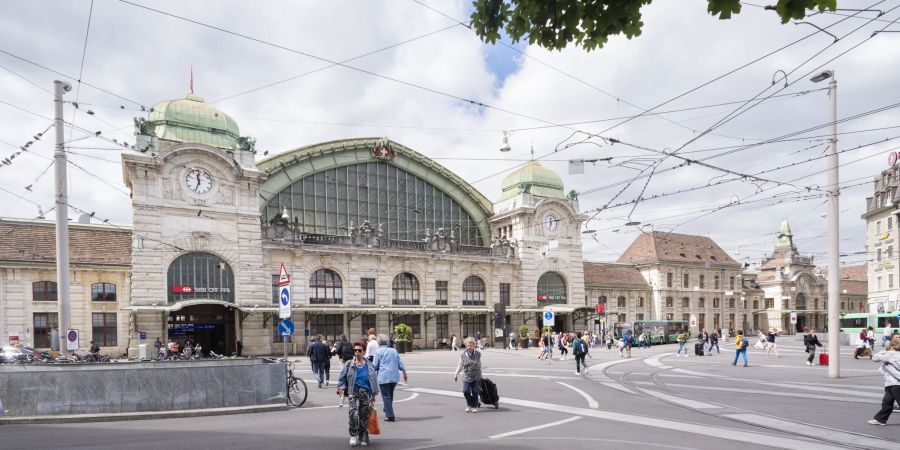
(730, 434)
(831, 434)
(680, 400)
(498, 374)
(415, 394)
(655, 362)
(753, 391)
(538, 427)
(617, 387)
(591, 402)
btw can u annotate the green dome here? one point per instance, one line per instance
(535, 179)
(192, 120)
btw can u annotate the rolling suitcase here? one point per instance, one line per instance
(823, 359)
(698, 349)
(489, 393)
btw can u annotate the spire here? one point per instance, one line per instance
(785, 237)
(192, 79)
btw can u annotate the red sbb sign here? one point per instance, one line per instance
(542, 298)
(176, 289)
(600, 308)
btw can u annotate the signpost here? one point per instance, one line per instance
(549, 318)
(72, 340)
(693, 321)
(793, 318)
(284, 307)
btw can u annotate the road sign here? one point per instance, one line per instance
(549, 318)
(693, 321)
(284, 302)
(72, 340)
(793, 318)
(286, 327)
(283, 277)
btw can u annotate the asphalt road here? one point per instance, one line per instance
(653, 400)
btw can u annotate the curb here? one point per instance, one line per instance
(117, 417)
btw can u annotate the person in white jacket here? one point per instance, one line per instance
(890, 368)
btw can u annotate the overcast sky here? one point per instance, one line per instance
(428, 69)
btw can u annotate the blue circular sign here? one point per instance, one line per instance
(285, 296)
(548, 315)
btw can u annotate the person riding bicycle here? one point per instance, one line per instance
(94, 349)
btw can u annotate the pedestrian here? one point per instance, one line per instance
(389, 365)
(885, 334)
(548, 346)
(609, 341)
(358, 381)
(870, 337)
(454, 344)
(770, 342)
(862, 347)
(714, 343)
(593, 339)
(682, 339)
(470, 366)
(704, 339)
(740, 348)
(811, 341)
(158, 345)
(478, 340)
(890, 368)
(371, 347)
(317, 352)
(641, 341)
(240, 347)
(628, 337)
(580, 350)
(512, 341)
(344, 349)
(331, 350)
(563, 350)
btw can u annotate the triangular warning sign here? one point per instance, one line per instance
(283, 277)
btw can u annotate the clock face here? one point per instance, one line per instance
(198, 181)
(550, 222)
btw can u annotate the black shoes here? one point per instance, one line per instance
(391, 419)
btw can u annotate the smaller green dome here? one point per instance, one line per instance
(535, 179)
(191, 119)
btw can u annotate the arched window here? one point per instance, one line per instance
(800, 302)
(406, 289)
(551, 289)
(103, 292)
(473, 291)
(43, 291)
(325, 288)
(731, 302)
(200, 276)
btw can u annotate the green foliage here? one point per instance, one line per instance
(554, 24)
(523, 332)
(402, 333)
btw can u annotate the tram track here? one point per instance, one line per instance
(660, 386)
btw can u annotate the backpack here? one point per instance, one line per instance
(744, 342)
(346, 350)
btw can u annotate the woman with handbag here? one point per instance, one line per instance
(359, 381)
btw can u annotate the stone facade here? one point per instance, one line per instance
(882, 243)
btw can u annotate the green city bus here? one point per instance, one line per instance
(661, 331)
(856, 322)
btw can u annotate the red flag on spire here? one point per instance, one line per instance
(192, 79)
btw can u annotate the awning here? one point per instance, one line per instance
(180, 305)
(560, 309)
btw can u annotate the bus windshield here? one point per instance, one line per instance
(854, 322)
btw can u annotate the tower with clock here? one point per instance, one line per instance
(195, 189)
(544, 223)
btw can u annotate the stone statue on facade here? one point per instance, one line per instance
(246, 143)
(141, 126)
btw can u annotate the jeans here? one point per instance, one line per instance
(471, 389)
(682, 346)
(318, 369)
(387, 396)
(891, 396)
(579, 361)
(740, 352)
(716, 346)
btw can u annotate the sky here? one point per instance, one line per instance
(415, 75)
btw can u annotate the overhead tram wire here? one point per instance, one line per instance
(566, 74)
(732, 115)
(26, 79)
(695, 88)
(87, 34)
(320, 69)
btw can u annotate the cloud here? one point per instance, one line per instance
(144, 57)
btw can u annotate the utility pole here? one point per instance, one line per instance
(62, 217)
(834, 267)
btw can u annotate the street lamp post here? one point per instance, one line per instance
(834, 269)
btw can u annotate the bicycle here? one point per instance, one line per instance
(296, 387)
